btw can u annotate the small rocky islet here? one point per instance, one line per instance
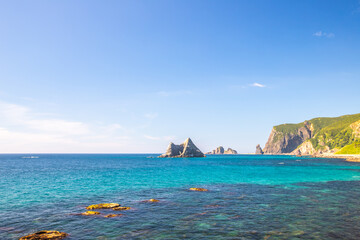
(185, 150)
(220, 151)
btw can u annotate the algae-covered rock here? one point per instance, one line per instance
(87, 213)
(103, 206)
(199, 189)
(152, 200)
(113, 215)
(45, 234)
(121, 208)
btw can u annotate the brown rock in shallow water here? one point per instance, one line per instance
(42, 235)
(199, 189)
(87, 213)
(113, 215)
(103, 206)
(152, 200)
(121, 208)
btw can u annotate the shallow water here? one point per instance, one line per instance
(250, 197)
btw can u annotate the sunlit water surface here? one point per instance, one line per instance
(249, 197)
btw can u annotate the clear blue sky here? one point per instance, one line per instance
(130, 76)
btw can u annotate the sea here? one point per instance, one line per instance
(248, 197)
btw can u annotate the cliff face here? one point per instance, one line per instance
(318, 135)
(286, 142)
(306, 148)
(186, 149)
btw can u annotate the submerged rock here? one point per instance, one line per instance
(121, 208)
(87, 213)
(186, 149)
(152, 200)
(259, 150)
(45, 234)
(103, 206)
(113, 215)
(199, 189)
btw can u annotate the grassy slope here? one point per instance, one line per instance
(350, 149)
(331, 132)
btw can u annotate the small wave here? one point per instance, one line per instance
(281, 163)
(30, 157)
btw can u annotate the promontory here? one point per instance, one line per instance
(334, 135)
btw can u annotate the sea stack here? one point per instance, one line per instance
(220, 150)
(186, 150)
(230, 151)
(259, 150)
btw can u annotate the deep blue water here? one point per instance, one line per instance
(249, 197)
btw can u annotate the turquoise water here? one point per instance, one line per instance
(250, 197)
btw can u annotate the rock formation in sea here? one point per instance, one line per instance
(221, 150)
(259, 150)
(230, 151)
(186, 149)
(45, 234)
(316, 136)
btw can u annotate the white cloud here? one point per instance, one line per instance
(324, 34)
(258, 85)
(22, 117)
(23, 130)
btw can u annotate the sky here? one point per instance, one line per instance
(131, 76)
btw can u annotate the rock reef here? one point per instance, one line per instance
(42, 235)
(199, 189)
(103, 206)
(121, 208)
(87, 213)
(185, 150)
(151, 200)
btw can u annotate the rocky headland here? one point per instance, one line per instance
(185, 150)
(220, 150)
(318, 136)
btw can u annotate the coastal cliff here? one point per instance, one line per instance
(220, 150)
(316, 136)
(186, 149)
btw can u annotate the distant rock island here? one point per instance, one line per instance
(221, 150)
(259, 150)
(339, 135)
(185, 150)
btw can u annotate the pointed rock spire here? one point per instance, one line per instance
(259, 150)
(186, 149)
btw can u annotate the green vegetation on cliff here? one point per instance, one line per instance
(327, 133)
(353, 148)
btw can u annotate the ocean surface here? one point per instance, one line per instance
(249, 197)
